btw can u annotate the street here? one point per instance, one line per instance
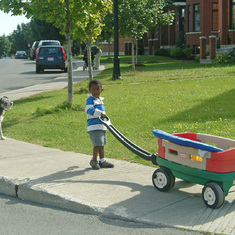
(20, 73)
(23, 217)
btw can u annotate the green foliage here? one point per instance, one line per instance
(181, 40)
(223, 59)
(136, 17)
(5, 46)
(26, 34)
(41, 29)
(197, 58)
(161, 52)
(177, 52)
(108, 29)
(82, 90)
(188, 52)
(57, 109)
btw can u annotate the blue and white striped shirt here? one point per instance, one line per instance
(94, 108)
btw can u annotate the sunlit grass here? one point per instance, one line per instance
(171, 96)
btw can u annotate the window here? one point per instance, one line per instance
(181, 19)
(196, 18)
(189, 18)
(196, 49)
(232, 14)
(215, 12)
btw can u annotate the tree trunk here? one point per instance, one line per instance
(109, 49)
(133, 55)
(69, 53)
(89, 61)
(70, 68)
(136, 55)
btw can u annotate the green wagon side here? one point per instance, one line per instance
(217, 185)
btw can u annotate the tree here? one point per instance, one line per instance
(137, 16)
(108, 30)
(5, 46)
(160, 13)
(89, 28)
(132, 21)
(42, 30)
(68, 16)
(20, 38)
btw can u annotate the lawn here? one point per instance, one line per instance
(163, 94)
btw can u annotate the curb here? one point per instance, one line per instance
(8, 186)
(22, 189)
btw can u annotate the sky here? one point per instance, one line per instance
(9, 23)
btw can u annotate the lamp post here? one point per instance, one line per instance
(116, 61)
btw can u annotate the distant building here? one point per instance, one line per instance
(193, 19)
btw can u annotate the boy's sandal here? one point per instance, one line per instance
(94, 165)
(106, 164)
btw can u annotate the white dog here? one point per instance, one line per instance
(5, 104)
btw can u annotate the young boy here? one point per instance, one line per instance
(96, 130)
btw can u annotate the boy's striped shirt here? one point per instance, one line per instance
(94, 108)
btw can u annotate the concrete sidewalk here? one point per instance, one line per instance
(65, 180)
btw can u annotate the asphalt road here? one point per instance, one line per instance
(20, 73)
(22, 217)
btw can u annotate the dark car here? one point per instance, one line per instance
(21, 55)
(51, 57)
(33, 50)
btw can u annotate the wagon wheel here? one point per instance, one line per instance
(163, 179)
(213, 195)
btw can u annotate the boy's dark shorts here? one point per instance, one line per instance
(98, 138)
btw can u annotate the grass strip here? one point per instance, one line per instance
(174, 96)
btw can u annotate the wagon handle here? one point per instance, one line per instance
(107, 122)
(127, 143)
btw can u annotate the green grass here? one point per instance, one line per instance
(167, 95)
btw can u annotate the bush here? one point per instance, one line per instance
(197, 58)
(177, 52)
(188, 52)
(223, 59)
(161, 52)
(181, 40)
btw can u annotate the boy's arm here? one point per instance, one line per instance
(91, 110)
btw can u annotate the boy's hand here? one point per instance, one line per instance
(103, 115)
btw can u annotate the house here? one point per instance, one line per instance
(193, 19)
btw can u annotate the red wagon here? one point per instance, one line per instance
(192, 157)
(199, 158)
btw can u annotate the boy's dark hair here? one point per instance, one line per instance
(95, 82)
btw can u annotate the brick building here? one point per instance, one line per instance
(193, 19)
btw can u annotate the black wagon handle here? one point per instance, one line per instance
(127, 143)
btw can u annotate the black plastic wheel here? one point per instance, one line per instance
(213, 195)
(163, 179)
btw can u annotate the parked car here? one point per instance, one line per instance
(51, 57)
(21, 55)
(48, 43)
(33, 50)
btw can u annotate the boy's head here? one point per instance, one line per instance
(95, 87)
